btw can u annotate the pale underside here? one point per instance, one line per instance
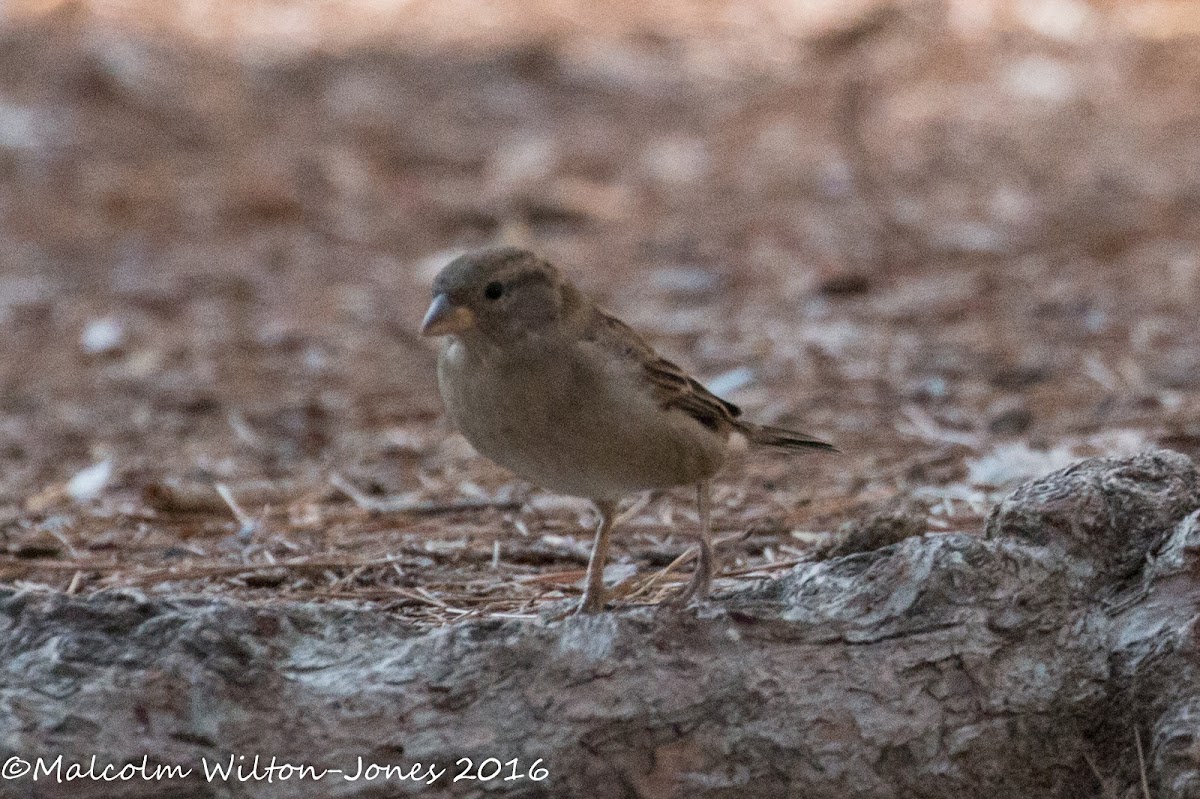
(575, 419)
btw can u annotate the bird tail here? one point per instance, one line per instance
(783, 439)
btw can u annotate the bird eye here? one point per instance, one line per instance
(493, 290)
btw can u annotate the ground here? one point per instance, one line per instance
(958, 240)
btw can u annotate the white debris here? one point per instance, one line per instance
(18, 130)
(1012, 462)
(1009, 205)
(1066, 20)
(969, 236)
(88, 483)
(522, 163)
(103, 336)
(731, 381)
(552, 503)
(315, 359)
(676, 160)
(1040, 78)
(616, 572)
(444, 546)
(684, 280)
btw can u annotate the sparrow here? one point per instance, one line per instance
(545, 383)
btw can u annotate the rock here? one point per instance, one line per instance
(1110, 511)
(934, 667)
(887, 525)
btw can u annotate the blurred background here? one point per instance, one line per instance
(956, 237)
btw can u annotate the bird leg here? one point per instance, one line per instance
(593, 591)
(702, 577)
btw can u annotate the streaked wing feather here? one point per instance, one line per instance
(671, 385)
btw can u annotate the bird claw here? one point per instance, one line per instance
(695, 592)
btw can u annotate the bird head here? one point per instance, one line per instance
(502, 293)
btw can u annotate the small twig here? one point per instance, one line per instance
(560, 578)
(181, 499)
(30, 564)
(1106, 787)
(659, 575)
(922, 425)
(205, 570)
(405, 505)
(175, 498)
(348, 580)
(247, 522)
(1137, 738)
(76, 581)
(61, 536)
(637, 507)
(1095, 368)
(421, 595)
(350, 490)
(774, 566)
(245, 433)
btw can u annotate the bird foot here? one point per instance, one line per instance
(593, 602)
(695, 592)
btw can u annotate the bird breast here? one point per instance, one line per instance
(576, 423)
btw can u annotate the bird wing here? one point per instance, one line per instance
(671, 386)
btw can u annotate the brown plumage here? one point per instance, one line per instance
(675, 388)
(540, 380)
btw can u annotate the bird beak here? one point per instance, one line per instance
(443, 317)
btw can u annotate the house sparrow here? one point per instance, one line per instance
(546, 384)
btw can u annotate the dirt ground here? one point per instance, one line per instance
(957, 239)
